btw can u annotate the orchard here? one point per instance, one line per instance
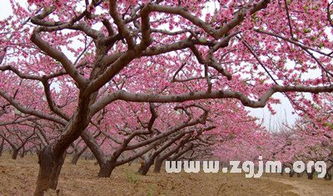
(147, 81)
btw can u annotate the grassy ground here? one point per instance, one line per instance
(18, 178)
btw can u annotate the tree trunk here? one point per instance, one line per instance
(77, 155)
(49, 170)
(160, 158)
(328, 175)
(75, 158)
(149, 160)
(106, 169)
(23, 152)
(143, 170)
(105, 166)
(158, 165)
(52, 156)
(291, 174)
(15, 153)
(1, 146)
(93, 146)
(311, 174)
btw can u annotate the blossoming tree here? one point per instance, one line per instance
(94, 53)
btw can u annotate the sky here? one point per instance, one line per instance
(284, 110)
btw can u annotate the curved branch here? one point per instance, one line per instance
(59, 56)
(246, 101)
(123, 30)
(53, 106)
(26, 110)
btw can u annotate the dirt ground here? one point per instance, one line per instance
(18, 178)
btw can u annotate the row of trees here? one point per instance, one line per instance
(149, 132)
(165, 137)
(309, 139)
(147, 78)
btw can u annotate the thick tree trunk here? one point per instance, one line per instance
(49, 170)
(52, 156)
(106, 169)
(15, 153)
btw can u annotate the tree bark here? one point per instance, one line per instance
(1, 146)
(105, 166)
(310, 174)
(143, 170)
(15, 153)
(149, 161)
(292, 173)
(158, 165)
(160, 158)
(23, 152)
(52, 157)
(77, 155)
(106, 169)
(328, 175)
(49, 170)
(75, 158)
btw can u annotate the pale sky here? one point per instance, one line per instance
(284, 111)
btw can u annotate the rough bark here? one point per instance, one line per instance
(51, 158)
(105, 166)
(49, 170)
(106, 169)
